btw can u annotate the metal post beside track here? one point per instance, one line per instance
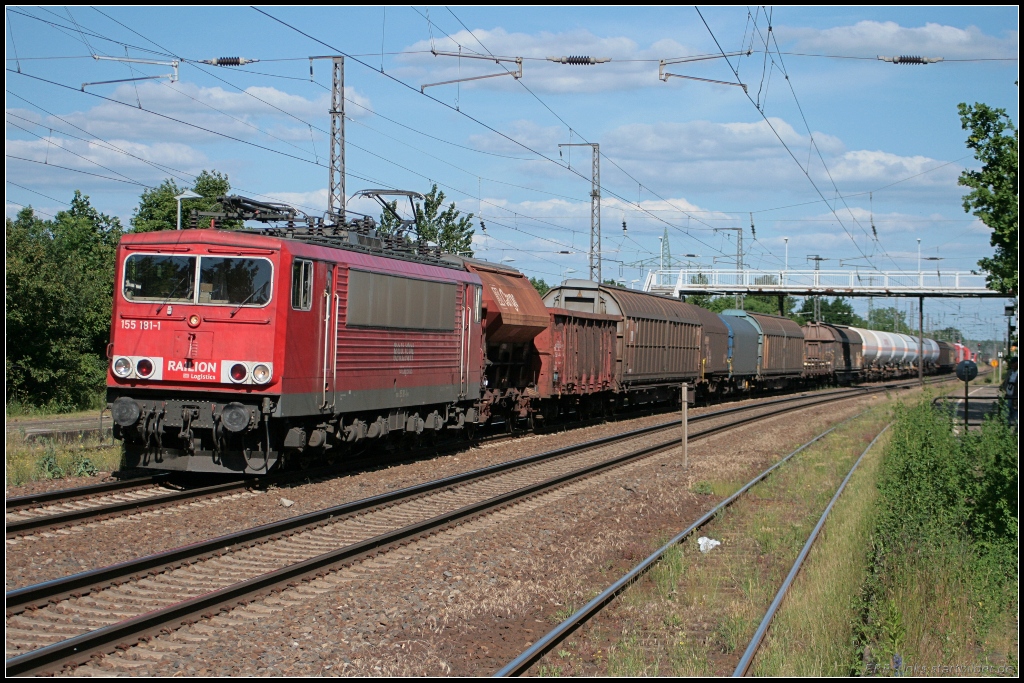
(686, 397)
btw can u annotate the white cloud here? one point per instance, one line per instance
(92, 157)
(622, 73)
(889, 38)
(259, 113)
(736, 155)
(313, 202)
(544, 139)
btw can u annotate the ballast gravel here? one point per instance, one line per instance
(467, 600)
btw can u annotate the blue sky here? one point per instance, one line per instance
(684, 155)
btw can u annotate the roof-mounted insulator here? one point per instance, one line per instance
(910, 59)
(228, 61)
(579, 60)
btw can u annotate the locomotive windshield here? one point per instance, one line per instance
(235, 281)
(152, 277)
(221, 281)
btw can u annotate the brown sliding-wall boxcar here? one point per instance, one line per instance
(821, 349)
(659, 340)
(780, 348)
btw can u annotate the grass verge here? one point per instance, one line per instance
(47, 459)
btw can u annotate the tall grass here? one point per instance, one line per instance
(943, 573)
(27, 461)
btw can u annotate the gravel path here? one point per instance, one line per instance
(467, 600)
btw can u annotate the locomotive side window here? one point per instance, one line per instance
(234, 281)
(477, 303)
(379, 300)
(154, 277)
(302, 285)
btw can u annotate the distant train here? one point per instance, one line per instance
(252, 350)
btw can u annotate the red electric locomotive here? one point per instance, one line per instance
(233, 350)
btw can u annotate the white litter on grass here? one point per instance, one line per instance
(706, 544)
(287, 503)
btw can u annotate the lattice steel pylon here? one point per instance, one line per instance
(336, 184)
(595, 209)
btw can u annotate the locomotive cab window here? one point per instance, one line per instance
(159, 278)
(197, 279)
(302, 285)
(234, 281)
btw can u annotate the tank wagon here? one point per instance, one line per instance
(890, 355)
(250, 350)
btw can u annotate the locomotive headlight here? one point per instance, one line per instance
(261, 374)
(122, 367)
(238, 372)
(193, 320)
(144, 368)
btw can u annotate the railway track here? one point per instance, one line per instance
(533, 654)
(64, 621)
(82, 505)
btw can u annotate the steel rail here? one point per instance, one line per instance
(21, 527)
(762, 629)
(17, 528)
(532, 654)
(39, 594)
(21, 502)
(79, 647)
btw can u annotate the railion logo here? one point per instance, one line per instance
(403, 352)
(505, 300)
(201, 366)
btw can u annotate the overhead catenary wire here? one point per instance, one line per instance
(781, 140)
(647, 210)
(571, 129)
(29, 189)
(181, 175)
(462, 112)
(355, 175)
(303, 121)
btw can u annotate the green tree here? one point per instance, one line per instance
(389, 220)
(448, 228)
(60, 276)
(947, 334)
(837, 311)
(158, 209)
(539, 284)
(889, 320)
(993, 195)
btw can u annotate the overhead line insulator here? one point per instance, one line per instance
(910, 59)
(579, 60)
(228, 61)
